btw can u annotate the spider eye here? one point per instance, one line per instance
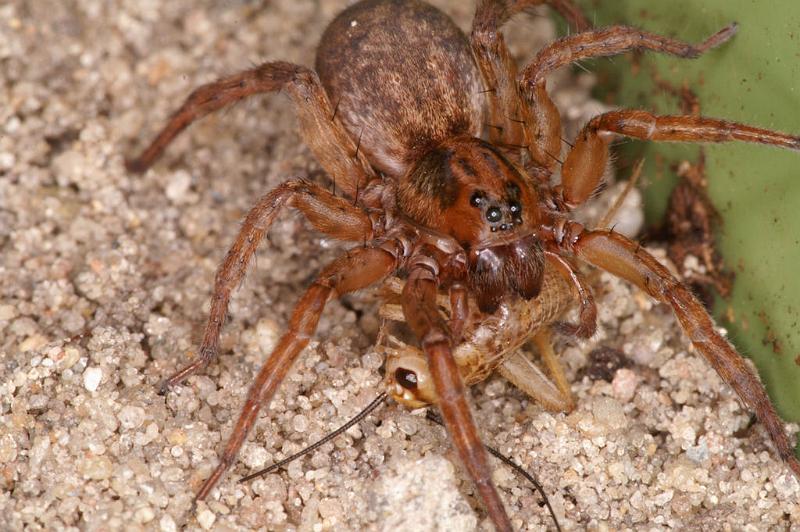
(515, 207)
(406, 378)
(493, 214)
(476, 199)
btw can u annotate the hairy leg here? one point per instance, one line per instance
(428, 324)
(498, 69)
(542, 120)
(336, 152)
(624, 258)
(357, 269)
(582, 170)
(587, 317)
(328, 213)
(459, 310)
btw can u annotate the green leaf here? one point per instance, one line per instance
(755, 79)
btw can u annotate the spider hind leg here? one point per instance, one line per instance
(620, 256)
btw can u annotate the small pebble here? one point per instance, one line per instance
(131, 417)
(178, 185)
(8, 449)
(608, 414)
(300, 423)
(254, 456)
(624, 384)
(167, 524)
(144, 515)
(91, 378)
(32, 343)
(7, 160)
(206, 519)
(96, 467)
(7, 312)
(176, 437)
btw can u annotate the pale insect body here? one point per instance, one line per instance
(489, 343)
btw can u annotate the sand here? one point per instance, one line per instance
(104, 283)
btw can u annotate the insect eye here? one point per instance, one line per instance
(406, 378)
(476, 199)
(493, 214)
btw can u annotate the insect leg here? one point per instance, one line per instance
(544, 344)
(525, 375)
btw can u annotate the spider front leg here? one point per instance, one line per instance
(587, 317)
(335, 151)
(330, 214)
(427, 323)
(584, 166)
(624, 258)
(498, 68)
(353, 271)
(541, 117)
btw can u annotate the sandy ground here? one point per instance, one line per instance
(104, 281)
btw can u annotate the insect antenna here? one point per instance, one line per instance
(511, 463)
(378, 401)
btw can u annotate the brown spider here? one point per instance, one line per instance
(394, 115)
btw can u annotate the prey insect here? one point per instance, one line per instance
(491, 342)
(451, 198)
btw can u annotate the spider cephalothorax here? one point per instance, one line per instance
(467, 189)
(452, 201)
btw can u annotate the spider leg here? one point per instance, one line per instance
(498, 68)
(357, 269)
(587, 317)
(568, 10)
(328, 213)
(427, 323)
(584, 166)
(459, 310)
(624, 258)
(542, 120)
(336, 152)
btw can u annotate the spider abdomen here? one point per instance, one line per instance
(402, 78)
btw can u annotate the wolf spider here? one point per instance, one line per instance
(450, 200)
